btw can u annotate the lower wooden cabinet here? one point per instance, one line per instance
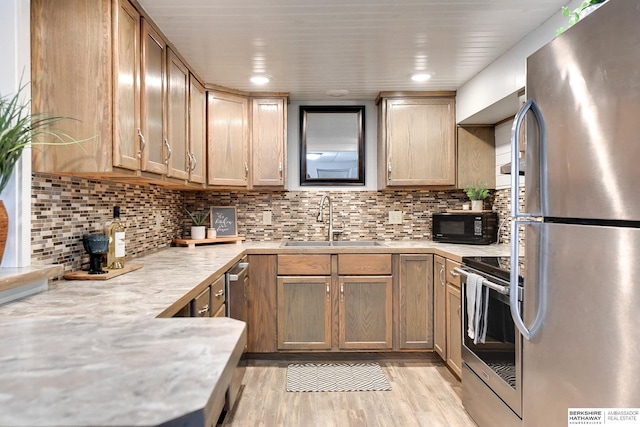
(448, 313)
(304, 313)
(365, 312)
(439, 307)
(261, 304)
(454, 330)
(415, 292)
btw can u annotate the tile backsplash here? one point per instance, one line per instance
(64, 208)
(361, 214)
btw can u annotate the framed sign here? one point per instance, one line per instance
(225, 220)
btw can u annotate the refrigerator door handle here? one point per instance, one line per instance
(513, 284)
(530, 105)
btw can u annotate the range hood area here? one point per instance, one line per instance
(506, 168)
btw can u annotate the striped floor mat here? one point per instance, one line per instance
(336, 377)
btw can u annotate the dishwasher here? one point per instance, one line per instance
(236, 282)
(236, 279)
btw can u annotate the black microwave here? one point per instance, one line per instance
(473, 228)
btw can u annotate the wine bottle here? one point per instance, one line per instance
(115, 256)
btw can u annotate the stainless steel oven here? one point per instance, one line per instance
(492, 370)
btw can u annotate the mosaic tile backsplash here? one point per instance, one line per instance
(64, 208)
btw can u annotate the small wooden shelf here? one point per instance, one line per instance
(193, 242)
(111, 273)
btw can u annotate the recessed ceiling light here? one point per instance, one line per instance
(420, 77)
(337, 92)
(260, 80)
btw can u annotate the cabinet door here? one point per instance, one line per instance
(261, 304)
(72, 76)
(365, 312)
(439, 307)
(177, 116)
(153, 98)
(420, 142)
(268, 137)
(197, 133)
(304, 313)
(454, 330)
(227, 140)
(416, 301)
(126, 127)
(476, 156)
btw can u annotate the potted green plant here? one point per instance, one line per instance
(198, 219)
(19, 128)
(477, 194)
(585, 8)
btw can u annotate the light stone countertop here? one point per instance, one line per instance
(118, 372)
(94, 353)
(173, 276)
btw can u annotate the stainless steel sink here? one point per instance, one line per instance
(343, 243)
(306, 244)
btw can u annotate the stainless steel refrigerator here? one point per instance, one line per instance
(581, 306)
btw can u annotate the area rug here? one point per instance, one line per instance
(336, 377)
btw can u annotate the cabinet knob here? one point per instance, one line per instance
(246, 170)
(204, 309)
(194, 161)
(389, 170)
(441, 275)
(219, 293)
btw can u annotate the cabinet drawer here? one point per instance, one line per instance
(452, 276)
(220, 312)
(218, 297)
(367, 264)
(203, 304)
(295, 265)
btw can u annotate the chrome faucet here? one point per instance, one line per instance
(332, 230)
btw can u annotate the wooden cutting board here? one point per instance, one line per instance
(111, 273)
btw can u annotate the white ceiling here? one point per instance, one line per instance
(364, 46)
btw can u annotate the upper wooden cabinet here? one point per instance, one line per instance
(127, 134)
(177, 140)
(72, 76)
(128, 92)
(227, 139)
(156, 149)
(268, 142)
(416, 139)
(476, 156)
(197, 132)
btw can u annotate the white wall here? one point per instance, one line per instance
(370, 147)
(506, 74)
(15, 67)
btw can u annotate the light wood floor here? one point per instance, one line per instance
(423, 394)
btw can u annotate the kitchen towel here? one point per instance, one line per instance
(477, 303)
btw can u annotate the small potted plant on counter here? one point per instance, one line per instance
(198, 228)
(477, 194)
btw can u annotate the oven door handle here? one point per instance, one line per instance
(504, 290)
